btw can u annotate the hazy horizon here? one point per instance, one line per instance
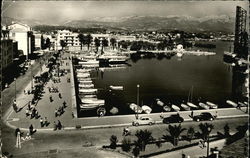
(54, 12)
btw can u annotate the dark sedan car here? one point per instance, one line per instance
(173, 119)
(205, 116)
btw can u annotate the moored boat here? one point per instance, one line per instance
(185, 107)
(88, 96)
(83, 75)
(166, 108)
(242, 104)
(89, 63)
(146, 109)
(191, 105)
(231, 103)
(212, 105)
(89, 106)
(92, 101)
(204, 106)
(85, 82)
(114, 110)
(88, 91)
(135, 108)
(175, 107)
(159, 102)
(86, 85)
(116, 87)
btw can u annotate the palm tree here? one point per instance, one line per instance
(97, 43)
(81, 39)
(113, 41)
(126, 144)
(190, 133)
(205, 130)
(88, 40)
(175, 132)
(143, 138)
(105, 43)
(63, 44)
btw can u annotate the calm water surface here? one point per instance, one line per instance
(171, 80)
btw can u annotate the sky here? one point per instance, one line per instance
(62, 11)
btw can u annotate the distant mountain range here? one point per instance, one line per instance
(221, 23)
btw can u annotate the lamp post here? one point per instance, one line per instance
(31, 77)
(15, 87)
(138, 91)
(209, 130)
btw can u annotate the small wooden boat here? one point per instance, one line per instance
(166, 108)
(83, 75)
(87, 96)
(135, 108)
(146, 109)
(89, 106)
(83, 70)
(191, 105)
(84, 79)
(185, 107)
(175, 107)
(92, 101)
(242, 104)
(212, 105)
(114, 110)
(232, 103)
(89, 63)
(159, 102)
(116, 87)
(86, 82)
(88, 91)
(246, 104)
(204, 106)
(86, 85)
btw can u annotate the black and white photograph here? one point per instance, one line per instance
(124, 79)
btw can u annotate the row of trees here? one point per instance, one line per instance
(45, 43)
(87, 40)
(173, 135)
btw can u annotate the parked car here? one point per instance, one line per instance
(205, 116)
(143, 121)
(173, 119)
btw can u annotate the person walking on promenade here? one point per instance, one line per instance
(64, 104)
(60, 96)
(55, 126)
(56, 111)
(46, 123)
(31, 129)
(59, 125)
(41, 122)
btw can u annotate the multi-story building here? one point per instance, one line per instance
(6, 48)
(70, 38)
(38, 38)
(24, 36)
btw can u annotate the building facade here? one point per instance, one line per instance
(70, 38)
(24, 36)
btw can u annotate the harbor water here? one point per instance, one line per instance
(172, 80)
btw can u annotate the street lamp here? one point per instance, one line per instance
(15, 87)
(138, 91)
(209, 130)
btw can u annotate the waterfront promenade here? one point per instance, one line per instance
(47, 109)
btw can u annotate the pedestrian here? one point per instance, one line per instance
(60, 96)
(31, 128)
(56, 111)
(36, 114)
(46, 121)
(192, 114)
(41, 122)
(59, 125)
(24, 91)
(27, 112)
(29, 104)
(64, 104)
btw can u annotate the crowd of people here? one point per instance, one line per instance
(31, 109)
